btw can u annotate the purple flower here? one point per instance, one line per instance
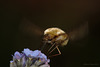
(30, 53)
(27, 51)
(42, 57)
(29, 58)
(36, 53)
(17, 55)
(11, 61)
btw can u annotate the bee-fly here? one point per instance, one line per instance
(52, 39)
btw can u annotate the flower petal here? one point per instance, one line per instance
(17, 55)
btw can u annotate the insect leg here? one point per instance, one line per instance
(52, 50)
(58, 50)
(56, 54)
(51, 47)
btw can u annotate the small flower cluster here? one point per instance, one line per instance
(29, 58)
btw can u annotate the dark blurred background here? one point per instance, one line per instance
(21, 21)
